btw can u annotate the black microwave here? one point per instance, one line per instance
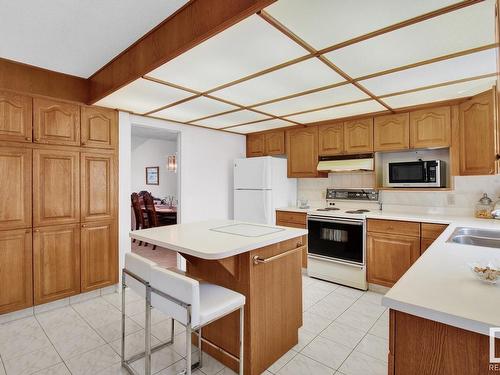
(420, 173)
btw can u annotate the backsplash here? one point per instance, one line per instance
(460, 201)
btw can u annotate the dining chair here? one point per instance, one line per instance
(141, 222)
(150, 211)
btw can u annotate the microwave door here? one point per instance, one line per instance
(407, 174)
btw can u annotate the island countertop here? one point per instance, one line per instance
(211, 239)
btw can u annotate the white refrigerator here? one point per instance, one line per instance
(261, 186)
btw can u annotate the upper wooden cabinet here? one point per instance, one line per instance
(15, 117)
(56, 262)
(99, 255)
(15, 187)
(358, 136)
(16, 270)
(56, 122)
(302, 151)
(98, 186)
(274, 143)
(430, 128)
(99, 127)
(391, 132)
(331, 139)
(478, 146)
(255, 145)
(56, 187)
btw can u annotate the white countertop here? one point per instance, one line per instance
(200, 240)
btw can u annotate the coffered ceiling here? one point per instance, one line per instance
(298, 62)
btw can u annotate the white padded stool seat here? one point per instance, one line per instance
(217, 301)
(140, 267)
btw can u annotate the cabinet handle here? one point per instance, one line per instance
(37, 230)
(497, 157)
(84, 225)
(84, 143)
(299, 244)
(28, 138)
(37, 139)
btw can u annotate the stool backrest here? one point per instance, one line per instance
(141, 267)
(180, 287)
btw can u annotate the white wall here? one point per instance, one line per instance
(148, 152)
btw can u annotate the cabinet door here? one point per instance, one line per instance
(15, 187)
(98, 176)
(15, 117)
(331, 139)
(56, 187)
(99, 255)
(477, 135)
(56, 262)
(302, 151)
(391, 132)
(16, 280)
(358, 136)
(274, 143)
(56, 122)
(390, 256)
(430, 128)
(255, 145)
(99, 127)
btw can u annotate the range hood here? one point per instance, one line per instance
(346, 163)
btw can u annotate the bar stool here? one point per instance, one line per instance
(195, 304)
(136, 275)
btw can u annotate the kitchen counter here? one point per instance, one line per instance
(202, 241)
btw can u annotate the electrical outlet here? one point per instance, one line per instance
(323, 194)
(450, 198)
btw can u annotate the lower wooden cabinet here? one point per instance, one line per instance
(99, 255)
(56, 262)
(430, 232)
(294, 220)
(16, 291)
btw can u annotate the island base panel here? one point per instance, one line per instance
(273, 310)
(420, 346)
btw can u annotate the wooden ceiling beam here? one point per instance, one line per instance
(194, 23)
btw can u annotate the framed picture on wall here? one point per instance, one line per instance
(152, 175)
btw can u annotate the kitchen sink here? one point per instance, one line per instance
(476, 237)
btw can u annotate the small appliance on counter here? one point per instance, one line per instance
(420, 173)
(484, 208)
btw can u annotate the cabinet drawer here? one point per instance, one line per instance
(408, 228)
(291, 217)
(432, 231)
(291, 225)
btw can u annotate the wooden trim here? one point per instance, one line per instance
(28, 79)
(191, 25)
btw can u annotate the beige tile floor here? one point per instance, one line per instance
(345, 332)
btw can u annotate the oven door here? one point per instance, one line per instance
(336, 239)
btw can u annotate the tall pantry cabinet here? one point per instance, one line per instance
(58, 206)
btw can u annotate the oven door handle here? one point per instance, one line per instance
(338, 221)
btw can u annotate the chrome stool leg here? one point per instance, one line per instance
(188, 349)
(124, 286)
(200, 352)
(242, 331)
(147, 333)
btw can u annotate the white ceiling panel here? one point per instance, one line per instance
(460, 30)
(339, 112)
(142, 96)
(337, 95)
(248, 47)
(468, 66)
(76, 37)
(230, 119)
(261, 126)
(194, 109)
(293, 79)
(323, 23)
(437, 94)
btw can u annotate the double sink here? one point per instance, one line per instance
(476, 237)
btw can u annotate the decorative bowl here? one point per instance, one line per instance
(486, 271)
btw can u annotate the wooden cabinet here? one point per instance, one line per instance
(274, 143)
(391, 132)
(430, 232)
(358, 136)
(302, 151)
(390, 256)
(56, 122)
(16, 291)
(99, 255)
(56, 187)
(294, 220)
(15, 117)
(430, 128)
(15, 187)
(98, 186)
(478, 146)
(255, 145)
(331, 139)
(56, 262)
(99, 127)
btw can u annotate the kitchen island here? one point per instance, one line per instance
(261, 262)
